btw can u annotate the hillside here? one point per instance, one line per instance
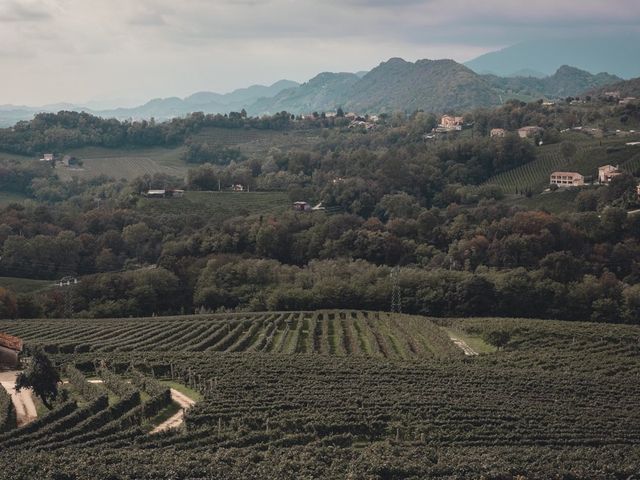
(627, 88)
(332, 394)
(566, 81)
(326, 91)
(431, 85)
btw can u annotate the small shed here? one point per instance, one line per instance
(10, 348)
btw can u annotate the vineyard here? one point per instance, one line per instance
(339, 333)
(590, 155)
(334, 394)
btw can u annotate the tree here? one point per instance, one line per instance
(497, 338)
(41, 376)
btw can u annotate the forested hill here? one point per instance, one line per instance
(566, 81)
(395, 85)
(627, 88)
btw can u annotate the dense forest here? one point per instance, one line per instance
(391, 199)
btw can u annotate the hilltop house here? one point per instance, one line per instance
(498, 132)
(529, 131)
(10, 348)
(566, 179)
(606, 173)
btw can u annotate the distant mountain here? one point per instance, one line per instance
(566, 81)
(160, 108)
(435, 85)
(618, 55)
(326, 91)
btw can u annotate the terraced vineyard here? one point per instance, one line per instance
(338, 394)
(340, 333)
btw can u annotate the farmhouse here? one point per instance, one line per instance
(606, 173)
(566, 179)
(172, 193)
(10, 348)
(238, 187)
(498, 132)
(450, 122)
(529, 131)
(301, 206)
(47, 157)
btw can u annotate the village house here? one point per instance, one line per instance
(529, 131)
(498, 132)
(606, 173)
(451, 122)
(566, 179)
(47, 157)
(238, 187)
(10, 349)
(301, 206)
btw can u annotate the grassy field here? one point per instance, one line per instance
(125, 163)
(129, 163)
(562, 200)
(253, 142)
(24, 285)
(218, 205)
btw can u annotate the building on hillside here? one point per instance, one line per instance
(168, 193)
(627, 100)
(10, 349)
(301, 206)
(615, 94)
(238, 187)
(451, 122)
(47, 157)
(606, 173)
(529, 131)
(566, 179)
(548, 103)
(498, 132)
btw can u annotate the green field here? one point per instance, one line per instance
(254, 142)
(24, 285)
(218, 205)
(335, 394)
(129, 163)
(125, 163)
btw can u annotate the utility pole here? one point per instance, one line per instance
(396, 299)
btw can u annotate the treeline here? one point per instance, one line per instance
(56, 132)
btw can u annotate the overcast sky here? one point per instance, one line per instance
(133, 50)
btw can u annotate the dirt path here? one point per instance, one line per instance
(176, 420)
(22, 401)
(470, 352)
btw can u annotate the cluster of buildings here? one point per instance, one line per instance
(619, 98)
(524, 132)
(606, 173)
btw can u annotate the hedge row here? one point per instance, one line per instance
(7, 412)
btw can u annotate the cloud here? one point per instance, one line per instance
(14, 11)
(167, 47)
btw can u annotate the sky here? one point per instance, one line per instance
(124, 52)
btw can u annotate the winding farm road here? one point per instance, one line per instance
(175, 420)
(468, 351)
(22, 401)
